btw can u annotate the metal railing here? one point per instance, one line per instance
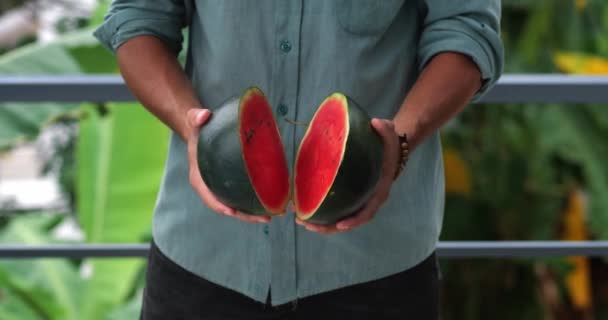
(100, 88)
(509, 89)
(445, 249)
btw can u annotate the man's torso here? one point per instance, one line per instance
(298, 52)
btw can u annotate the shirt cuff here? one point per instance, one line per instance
(479, 43)
(124, 25)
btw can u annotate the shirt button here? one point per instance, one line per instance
(282, 109)
(285, 46)
(265, 229)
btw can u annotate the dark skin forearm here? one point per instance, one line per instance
(443, 89)
(155, 77)
(153, 74)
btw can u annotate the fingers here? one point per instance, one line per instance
(206, 196)
(216, 205)
(357, 219)
(318, 228)
(386, 129)
(249, 218)
(197, 117)
(362, 216)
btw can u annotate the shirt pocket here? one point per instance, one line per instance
(367, 17)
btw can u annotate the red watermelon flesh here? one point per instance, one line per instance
(320, 154)
(263, 152)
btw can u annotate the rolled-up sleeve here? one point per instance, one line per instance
(126, 19)
(469, 27)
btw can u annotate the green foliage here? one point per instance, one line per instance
(120, 159)
(100, 12)
(48, 289)
(579, 142)
(120, 153)
(130, 310)
(126, 147)
(19, 121)
(53, 288)
(524, 161)
(74, 53)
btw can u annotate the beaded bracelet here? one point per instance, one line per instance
(403, 155)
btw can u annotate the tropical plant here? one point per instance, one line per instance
(532, 172)
(114, 187)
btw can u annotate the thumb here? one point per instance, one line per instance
(197, 116)
(386, 129)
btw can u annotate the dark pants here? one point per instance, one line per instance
(174, 293)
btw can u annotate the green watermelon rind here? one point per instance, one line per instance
(358, 173)
(221, 162)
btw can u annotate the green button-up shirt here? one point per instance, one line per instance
(298, 52)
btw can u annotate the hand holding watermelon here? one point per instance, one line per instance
(241, 157)
(196, 118)
(386, 129)
(344, 164)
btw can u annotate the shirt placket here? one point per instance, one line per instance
(281, 231)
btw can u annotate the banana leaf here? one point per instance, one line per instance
(120, 158)
(42, 288)
(73, 53)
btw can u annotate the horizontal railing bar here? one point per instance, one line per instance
(505, 249)
(64, 88)
(511, 88)
(74, 251)
(445, 249)
(549, 88)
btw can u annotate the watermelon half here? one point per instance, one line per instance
(241, 156)
(338, 163)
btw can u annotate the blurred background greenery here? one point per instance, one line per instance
(513, 172)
